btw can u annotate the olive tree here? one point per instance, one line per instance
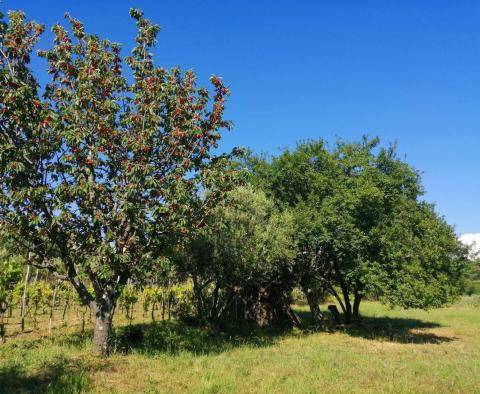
(242, 268)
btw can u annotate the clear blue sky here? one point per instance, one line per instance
(407, 71)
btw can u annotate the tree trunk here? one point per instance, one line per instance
(163, 308)
(103, 310)
(356, 307)
(153, 312)
(84, 312)
(169, 306)
(348, 306)
(313, 301)
(348, 317)
(2, 326)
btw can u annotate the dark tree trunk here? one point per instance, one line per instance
(169, 307)
(348, 306)
(356, 307)
(153, 311)
(348, 316)
(65, 310)
(2, 326)
(313, 303)
(103, 310)
(163, 308)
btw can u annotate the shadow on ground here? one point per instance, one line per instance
(58, 376)
(400, 330)
(173, 337)
(386, 329)
(63, 375)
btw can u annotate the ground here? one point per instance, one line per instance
(395, 351)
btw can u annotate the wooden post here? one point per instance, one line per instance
(24, 298)
(52, 307)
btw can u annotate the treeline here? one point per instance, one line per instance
(110, 179)
(345, 223)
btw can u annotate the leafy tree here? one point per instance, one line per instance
(421, 264)
(102, 171)
(244, 261)
(345, 200)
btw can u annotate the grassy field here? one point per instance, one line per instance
(394, 351)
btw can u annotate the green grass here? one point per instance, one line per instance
(393, 351)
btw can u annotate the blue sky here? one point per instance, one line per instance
(406, 71)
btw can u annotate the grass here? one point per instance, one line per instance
(393, 351)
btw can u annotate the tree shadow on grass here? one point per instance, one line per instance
(174, 337)
(400, 330)
(166, 337)
(57, 376)
(384, 329)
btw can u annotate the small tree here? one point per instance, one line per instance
(102, 172)
(245, 260)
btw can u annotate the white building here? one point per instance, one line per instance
(472, 240)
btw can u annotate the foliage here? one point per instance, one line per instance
(102, 172)
(10, 275)
(251, 248)
(422, 265)
(128, 299)
(354, 205)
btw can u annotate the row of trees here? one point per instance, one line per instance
(346, 221)
(109, 176)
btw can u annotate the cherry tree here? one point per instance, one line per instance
(113, 162)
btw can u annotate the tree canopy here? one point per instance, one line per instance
(100, 170)
(362, 227)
